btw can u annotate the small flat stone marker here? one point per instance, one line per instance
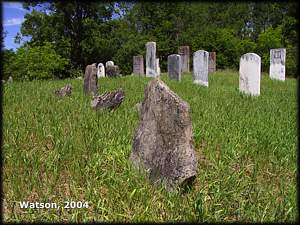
(64, 91)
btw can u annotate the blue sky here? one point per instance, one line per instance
(13, 16)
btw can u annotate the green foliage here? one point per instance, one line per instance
(57, 150)
(267, 40)
(291, 60)
(246, 46)
(223, 42)
(88, 32)
(134, 46)
(8, 58)
(37, 62)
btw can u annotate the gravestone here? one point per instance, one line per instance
(10, 79)
(109, 63)
(112, 71)
(90, 80)
(100, 70)
(174, 67)
(138, 65)
(163, 141)
(64, 91)
(250, 72)
(109, 100)
(212, 62)
(200, 68)
(151, 67)
(184, 52)
(277, 64)
(157, 67)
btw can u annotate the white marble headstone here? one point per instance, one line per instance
(200, 67)
(109, 63)
(250, 73)
(151, 61)
(100, 70)
(277, 64)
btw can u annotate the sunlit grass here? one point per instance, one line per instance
(57, 150)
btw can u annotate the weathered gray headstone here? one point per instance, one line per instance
(184, 52)
(163, 141)
(157, 67)
(90, 80)
(250, 72)
(200, 68)
(138, 65)
(212, 62)
(109, 63)
(277, 64)
(174, 67)
(64, 91)
(151, 59)
(100, 70)
(112, 71)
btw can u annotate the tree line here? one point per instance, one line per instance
(67, 36)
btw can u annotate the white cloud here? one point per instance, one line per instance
(14, 5)
(13, 21)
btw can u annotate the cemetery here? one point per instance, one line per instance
(178, 138)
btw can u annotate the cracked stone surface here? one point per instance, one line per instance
(163, 141)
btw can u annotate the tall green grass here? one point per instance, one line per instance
(58, 150)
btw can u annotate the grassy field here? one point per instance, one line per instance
(57, 150)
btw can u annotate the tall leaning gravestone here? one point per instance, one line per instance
(163, 144)
(151, 59)
(277, 64)
(200, 68)
(184, 52)
(90, 80)
(250, 69)
(174, 67)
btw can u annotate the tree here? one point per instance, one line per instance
(37, 62)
